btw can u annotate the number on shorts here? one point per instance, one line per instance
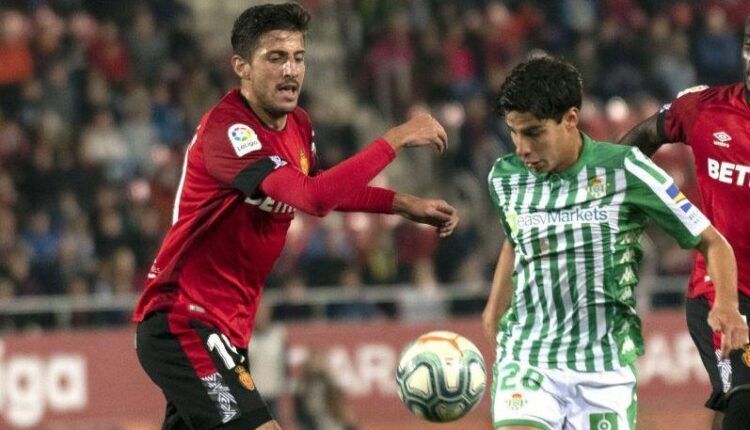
(531, 379)
(215, 343)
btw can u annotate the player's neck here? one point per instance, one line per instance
(271, 121)
(577, 144)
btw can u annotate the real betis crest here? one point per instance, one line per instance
(597, 187)
(515, 401)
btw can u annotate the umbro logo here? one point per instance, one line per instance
(721, 138)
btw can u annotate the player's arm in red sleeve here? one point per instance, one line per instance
(671, 124)
(330, 189)
(369, 199)
(236, 156)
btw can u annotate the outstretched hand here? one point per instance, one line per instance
(420, 130)
(434, 212)
(728, 321)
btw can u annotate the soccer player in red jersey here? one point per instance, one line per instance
(715, 122)
(250, 165)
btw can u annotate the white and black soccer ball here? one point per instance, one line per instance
(441, 376)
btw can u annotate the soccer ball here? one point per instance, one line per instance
(441, 376)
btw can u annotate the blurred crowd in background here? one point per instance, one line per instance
(98, 99)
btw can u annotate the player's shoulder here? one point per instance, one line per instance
(231, 121)
(702, 95)
(508, 164)
(605, 154)
(230, 109)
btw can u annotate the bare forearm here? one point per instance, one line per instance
(721, 267)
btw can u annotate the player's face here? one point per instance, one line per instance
(544, 145)
(276, 71)
(746, 53)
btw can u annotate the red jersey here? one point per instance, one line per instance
(715, 122)
(222, 244)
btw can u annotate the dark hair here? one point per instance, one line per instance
(255, 21)
(546, 87)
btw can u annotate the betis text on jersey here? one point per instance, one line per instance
(715, 122)
(576, 238)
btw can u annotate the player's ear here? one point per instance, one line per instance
(241, 67)
(571, 117)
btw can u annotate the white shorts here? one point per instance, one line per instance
(551, 399)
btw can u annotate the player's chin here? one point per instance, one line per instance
(286, 106)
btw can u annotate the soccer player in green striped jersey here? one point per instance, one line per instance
(573, 210)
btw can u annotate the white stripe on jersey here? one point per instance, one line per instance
(178, 194)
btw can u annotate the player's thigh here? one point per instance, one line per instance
(200, 373)
(525, 397)
(602, 400)
(725, 374)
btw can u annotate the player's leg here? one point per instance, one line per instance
(525, 398)
(718, 418)
(708, 345)
(737, 409)
(602, 400)
(200, 373)
(173, 420)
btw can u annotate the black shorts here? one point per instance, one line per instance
(725, 375)
(203, 377)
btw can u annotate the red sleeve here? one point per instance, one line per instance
(231, 146)
(676, 119)
(370, 199)
(321, 194)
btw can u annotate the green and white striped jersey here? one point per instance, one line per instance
(576, 238)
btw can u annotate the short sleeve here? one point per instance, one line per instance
(676, 118)
(234, 151)
(655, 193)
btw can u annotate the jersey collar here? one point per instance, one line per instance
(572, 171)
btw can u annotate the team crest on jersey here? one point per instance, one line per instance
(597, 187)
(516, 401)
(746, 355)
(244, 376)
(244, 140)
(304, 163)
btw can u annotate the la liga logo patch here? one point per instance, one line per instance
(244, 140)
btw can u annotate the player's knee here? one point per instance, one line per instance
(737, 412)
